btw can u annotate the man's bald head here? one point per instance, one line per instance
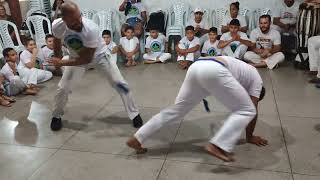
(69, 8)
(71, 15)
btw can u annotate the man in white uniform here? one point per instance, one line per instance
(286, 16)
(233, 82)
(82, 38)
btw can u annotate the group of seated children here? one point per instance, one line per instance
(22, 74)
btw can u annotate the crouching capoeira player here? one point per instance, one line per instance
(234, 83)
(82, 38)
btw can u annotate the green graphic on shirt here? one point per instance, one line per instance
(38, 63)
(133, 11)
(155, 46)
(212, 51)
(74, 42)
(233, 47)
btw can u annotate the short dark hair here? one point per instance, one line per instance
(106, 32)
(28, 40)
(265, 16)
(129, 28)
(6, 51)
(235, 22)
(213, 30)
(154, 28)
(235, 4)
(49, 36)
(262, 93)
(189, 28)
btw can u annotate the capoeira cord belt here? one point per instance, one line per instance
(205, 102)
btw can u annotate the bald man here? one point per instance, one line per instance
(82, 38)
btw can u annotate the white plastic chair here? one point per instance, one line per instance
(217, 16)
(6, 37)
(37, 22)
(88, 13)
(43, 5)
(106, 20)
(178, 17)
(254, 20)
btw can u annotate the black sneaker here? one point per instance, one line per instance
(137, 121)
(56, 124)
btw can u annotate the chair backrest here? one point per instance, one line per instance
(217, 18)
(37, 23)
(105, 20)
(43, 5)
(179, 13)
(88, 13)
(6, 36)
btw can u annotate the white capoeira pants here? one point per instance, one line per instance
(189, 56)
(271, 61)
(206, 78)
(163, 57)
(34, 76)
(238, 53)
(314, 54)
(15, 86)
(74, 74)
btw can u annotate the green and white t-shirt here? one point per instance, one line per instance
(157, 46)
(136, 10)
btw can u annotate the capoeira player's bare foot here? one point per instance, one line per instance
(128, 64)
(218, 153)
(135, 144)
(133, 63)
(257, 140)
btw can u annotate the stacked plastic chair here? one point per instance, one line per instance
(6, 36)
(44, 5)
(217, 16)
(106, 20)
(37, 23)
(178, 17)
(87, 13)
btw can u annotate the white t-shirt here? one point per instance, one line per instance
(234, 45)
(47, 53)
(211, 49)
(7, 72)
(157, 46)
(74, 41)
(136, 10)
(25, 58)
(227, 19)
(247, 75)
(288, 15)
(129, 44)
(189, 44)
(265, 41)
(203, 24)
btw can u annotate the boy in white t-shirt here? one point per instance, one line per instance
(112, 48)
(286, 17)
(210, 47)
(31, 65)
(136, 15)
(15, 84)
(188, 48)
(47, 53)
(234, 43)
(234, 14)
(156, 48)
(130, 46)
(266, 47)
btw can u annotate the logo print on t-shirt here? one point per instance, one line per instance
(212, 51)
(133, 11)
(155, 46)
(263, 43)
(234, 47)
(74, 42)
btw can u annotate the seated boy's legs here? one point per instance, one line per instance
(185, 61)
(43, 75)
(149, 58)
(164, 57)
(240, 51)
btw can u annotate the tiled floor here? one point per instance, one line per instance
(92, 144)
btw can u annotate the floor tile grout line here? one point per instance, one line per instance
(281, 126)
(30, 146)
(42, 164)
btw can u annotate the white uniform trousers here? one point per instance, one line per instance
(206, 78)
(73, 74)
